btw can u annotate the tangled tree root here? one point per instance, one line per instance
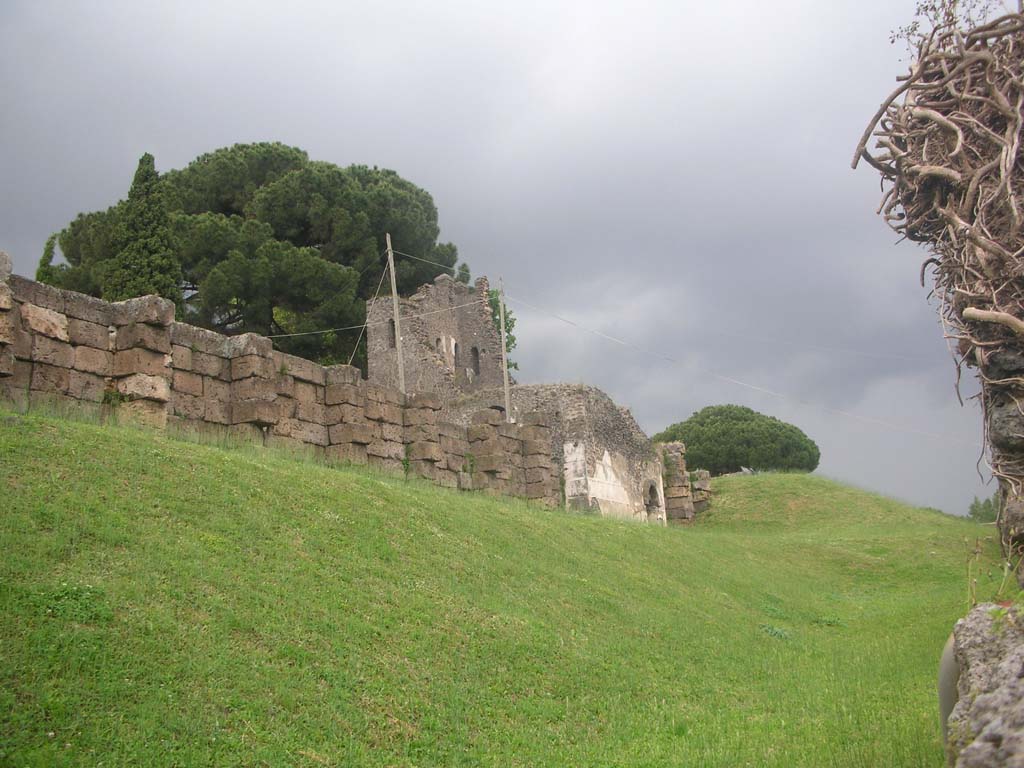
(948, 146)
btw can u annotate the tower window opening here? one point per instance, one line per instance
(392, 338)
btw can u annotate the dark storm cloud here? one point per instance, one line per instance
(674, 174)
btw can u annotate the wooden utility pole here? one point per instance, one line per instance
(394, 305)
(504, 352)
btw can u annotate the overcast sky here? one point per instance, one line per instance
(672, 173)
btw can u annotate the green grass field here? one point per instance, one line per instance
(167, 603)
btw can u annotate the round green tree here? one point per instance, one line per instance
(723, 438)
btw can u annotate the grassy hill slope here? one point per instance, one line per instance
(166, 603)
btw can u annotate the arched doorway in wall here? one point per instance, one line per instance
(652, 500)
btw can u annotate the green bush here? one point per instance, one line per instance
(723, 438)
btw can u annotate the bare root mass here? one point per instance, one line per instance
(948, 144)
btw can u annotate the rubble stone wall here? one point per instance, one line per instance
(604, 461)
(131, 360)
(449, 342)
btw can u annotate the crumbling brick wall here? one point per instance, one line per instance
(449, 342)
(131, 360)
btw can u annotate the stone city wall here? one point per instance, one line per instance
(131, 360)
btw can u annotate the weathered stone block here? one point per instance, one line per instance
(39, 294)
(452, 430)
(537, 460)
(254, 411)
(145, 387)
(8, 327)
(351, 433)
(342, 374)
(386, 450)
(348, 414)
(88, 309)
(97, 361)
(392, 432)
(477, 432)
(251, 365)
(49, 378)
(350, 394)
(446, 478)
(678, 505)
(313, 434)
(308, 393)
(149, 413)
(44, 322)
(384, 395)
(18, 373)
(22, 344)
(490, 463)
(217, 396)
(488, 416)
(284, 385)
(199, 339)
(534, 432)
(424, 400)
(424, 451)
(187, 383)
(422, 432)
(490, 447)
(312, 412)
(299, 368)
(348, 453)
(210, 365)
(453, 445)
(511, 445)
(144, 309)
(506, 429)
(253, 388)
(416, 416)
(181, 357)
(143, 361)
(6, 297)
(385, 412)
(247, 344)
(536, 490)
(53, 352)
(187, 406)
(83, 333)
(152, 337)
(7, 361)
(537, 475)
(5, 265)
(534, 447)
(677, 491)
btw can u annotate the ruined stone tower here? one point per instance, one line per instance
(449, 342)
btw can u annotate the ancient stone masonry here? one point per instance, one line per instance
(130, 360)
(449, 342)
(603, 461)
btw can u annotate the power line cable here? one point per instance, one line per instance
(379, 322)
(363, 329)
(747, 337)
(746, 385)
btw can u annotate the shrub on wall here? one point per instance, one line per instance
(723, 438)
